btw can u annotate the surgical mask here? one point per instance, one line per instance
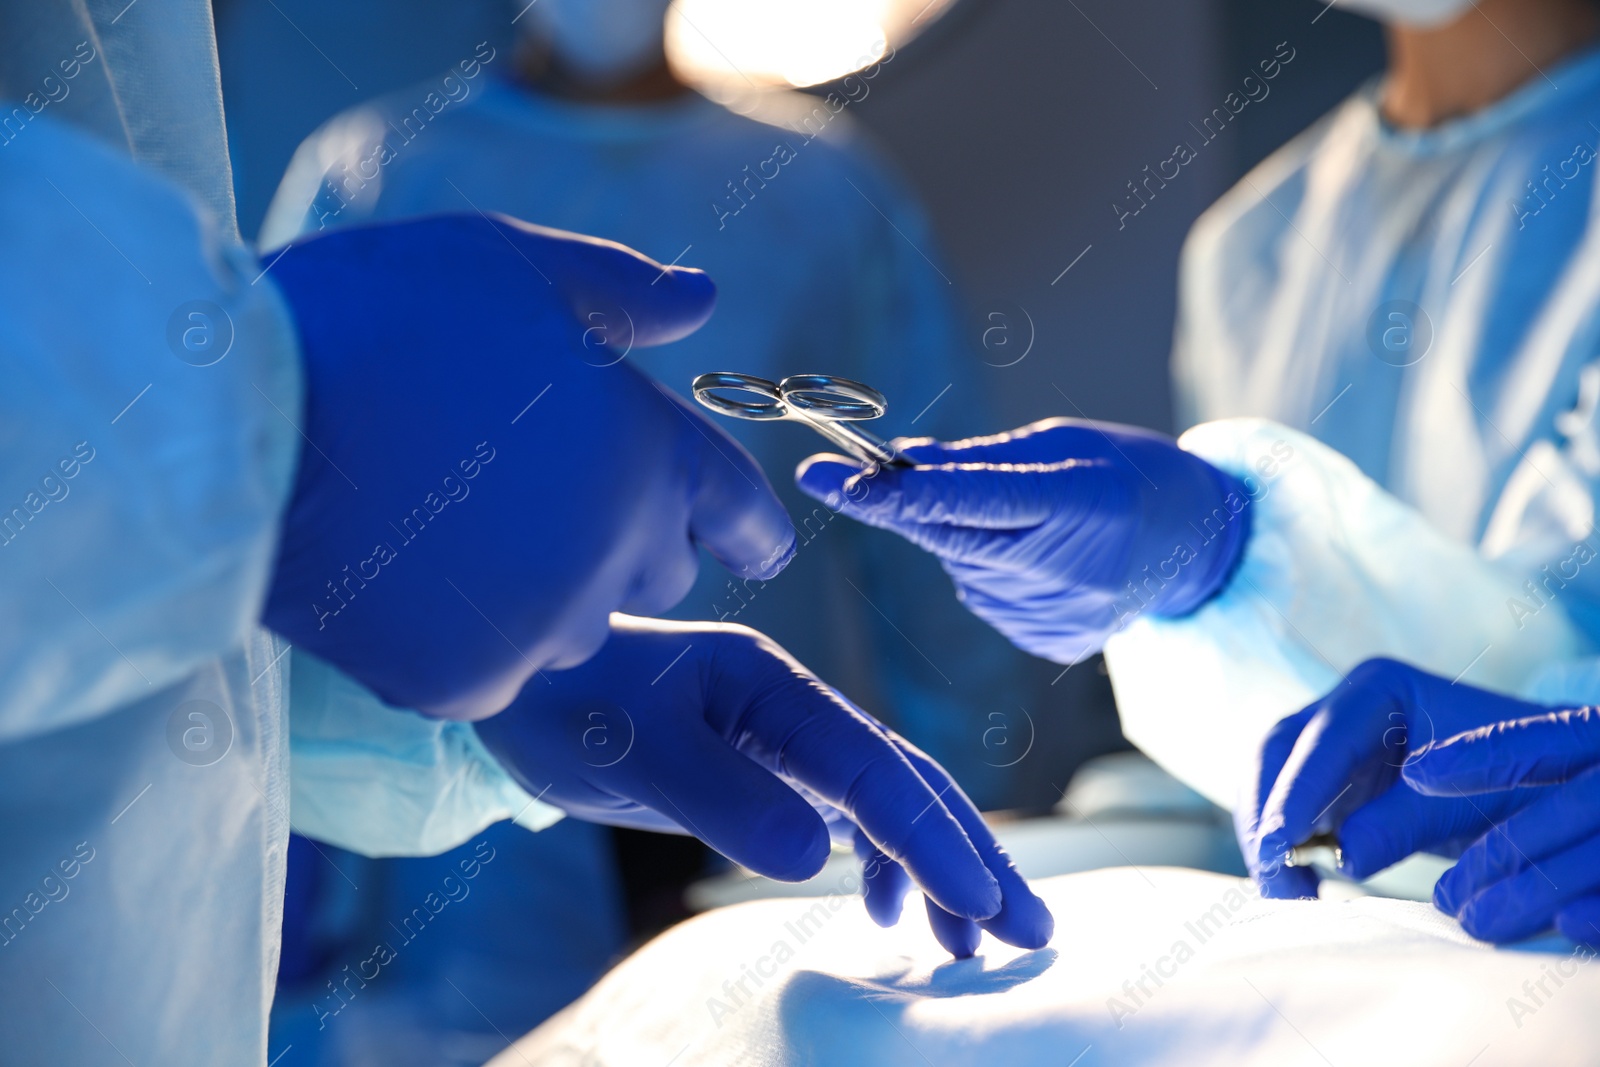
(1422, 13)
(601, 41)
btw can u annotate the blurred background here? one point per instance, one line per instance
(1022, 126)
(1018, 122)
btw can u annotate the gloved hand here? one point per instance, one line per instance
(713, 730)
(1059, 533)
(1337, 764)
(1541, 865)
(484, 480)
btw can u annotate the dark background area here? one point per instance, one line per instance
(1019, 123)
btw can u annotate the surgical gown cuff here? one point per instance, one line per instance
(384, 781)
(1566, 683)
(1336, 571)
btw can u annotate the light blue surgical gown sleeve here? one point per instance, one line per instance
(385, 781)
(148, 385)
(147, 438)
(1568, 682)
(1337, 570)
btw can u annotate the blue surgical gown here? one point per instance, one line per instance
(1428, 304)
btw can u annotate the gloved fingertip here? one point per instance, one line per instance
(1481, 923)
(769, 568)
(884, 899)
(692, 296)
(736, 516)
(1272, 853)
(801, 865)
(1363, 853)
(975, 896)
(961, 948)
(959, 936)
(1045, 932)
(1358, 867)
(810, 860)
(785, 846)
(986, 900)
(1500, 916)
(673, 304)
(1580, 921)
(1025, 922)
(884, 883)
(694, 286)
(1447, 893)
(884, 908)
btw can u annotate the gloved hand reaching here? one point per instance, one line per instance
(1541, 865)
(713, 730)
(1059, 533)
(1337, 766)
(483, 479)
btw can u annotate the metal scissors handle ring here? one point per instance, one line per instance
(770, 407)
(824, 402)
(832, 398)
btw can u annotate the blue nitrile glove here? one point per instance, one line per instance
(1336, 766)
(1540, 865)
(713, 730)
(484, 480)
(1059, 533)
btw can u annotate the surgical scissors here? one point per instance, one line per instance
(826, 403)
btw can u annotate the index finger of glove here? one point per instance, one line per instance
(1536, 750)
(1402, 822)
(980, 496)
(1546, 821)
(1023, 919)
(825, 744)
